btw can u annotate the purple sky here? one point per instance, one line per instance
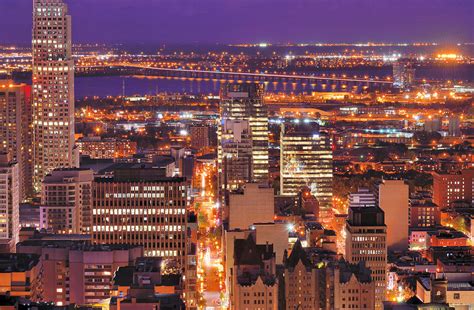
(231, 21)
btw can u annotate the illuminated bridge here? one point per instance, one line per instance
(188, 73)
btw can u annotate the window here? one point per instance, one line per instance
(457, 296)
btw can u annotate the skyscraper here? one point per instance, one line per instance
(9, 203)
(16, 135)
(53, 89)
(366, 235)
(306, 161)
(245, 102)
(235, 154)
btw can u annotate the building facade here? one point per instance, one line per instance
(77, 272)
(20, 275)
(451, 187)
(366, 240)
(66, 201)
(245, 102)
(363, 198)
(9, 203)
(306, 161)
(139, 210)
(235, 155)
(53, 89)
(97, 148)
(17, 132)
(253, 204)
(254, 283)
(393, 198)
(200, 136)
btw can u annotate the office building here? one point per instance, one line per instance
(393, 199)
(139, 207)
(363, 198)
(53, 89)
(366, 236)
(451, 187)
(245, 102)
(200, 136)
(235, 155)
(9, 203)
(77, 272)
(66, 201)
(306, 161)
(16, 133)
(424, 214)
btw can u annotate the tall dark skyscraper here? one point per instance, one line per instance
(366, 240)
(53, 88)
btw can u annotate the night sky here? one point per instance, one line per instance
(234, 21)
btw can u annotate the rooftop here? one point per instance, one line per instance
(17, 262)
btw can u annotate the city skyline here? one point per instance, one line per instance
(247, 175)
(253, 21)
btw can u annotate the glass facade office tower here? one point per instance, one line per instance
(306, 161)
(245, 102)
(53, 89)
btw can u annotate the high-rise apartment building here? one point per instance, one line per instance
(451, 187)
(306, 161)
(393, 199)
(235, 154)
(140, 208)
(53, 89)
(9, 203)
(17, 130)
(66, 201)
(366, 236)
(245, 102)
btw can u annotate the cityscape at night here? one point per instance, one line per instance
(237, 154)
